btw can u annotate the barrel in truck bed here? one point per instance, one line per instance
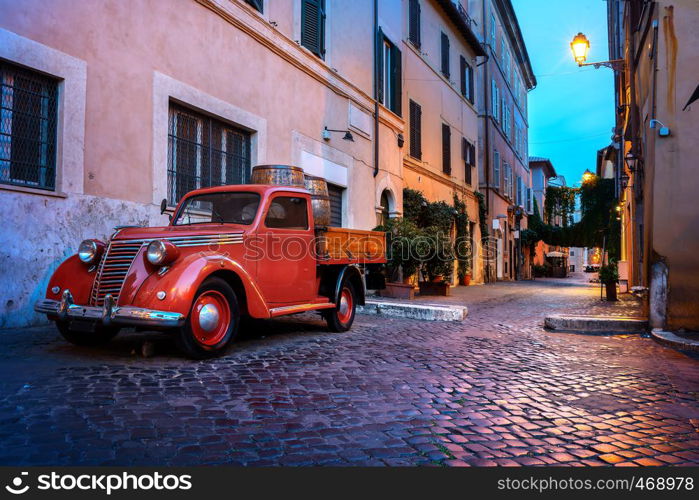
(338, 245)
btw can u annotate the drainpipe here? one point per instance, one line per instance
(486, 140)
(376, 88)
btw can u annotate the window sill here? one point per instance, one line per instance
(29, 190)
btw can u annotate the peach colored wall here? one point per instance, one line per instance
(441, 102)
(225, 56)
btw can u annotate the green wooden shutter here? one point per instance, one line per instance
(446, 148)
(414, 22)
(379, 64)
(397, 87)
(415, 130)
(313, 26)
(471, 94)
(445, 55)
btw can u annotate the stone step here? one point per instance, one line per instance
(426, 312)
(599, 325)
(673, 340)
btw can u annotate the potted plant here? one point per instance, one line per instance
(437, 262)
(462, 246)
(609, 276)
(402, 236)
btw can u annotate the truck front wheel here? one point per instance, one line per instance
(213, 321)
(341, 318)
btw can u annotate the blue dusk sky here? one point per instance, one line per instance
(571, 110)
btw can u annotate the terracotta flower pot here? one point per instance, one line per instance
(465, 280)
(610, 289)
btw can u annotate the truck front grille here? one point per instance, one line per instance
(113, 269)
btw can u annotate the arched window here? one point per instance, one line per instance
(385, 204)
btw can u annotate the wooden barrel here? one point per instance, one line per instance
(320, 201)
(278, 175)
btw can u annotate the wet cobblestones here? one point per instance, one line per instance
(496, 389)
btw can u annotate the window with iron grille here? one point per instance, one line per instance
(204, 152)
(414, 22)
(335, 193)
(28, 114)
(415, 130)
(446, 148)
(445, 55)
(313, 26)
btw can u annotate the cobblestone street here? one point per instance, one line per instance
(496, 389)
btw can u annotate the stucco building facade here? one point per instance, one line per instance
(442, 52)
(657, 140)
(504, 176)
(127, 103)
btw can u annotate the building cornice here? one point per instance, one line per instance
(242, 17)
(460, 19)
(514, 33)
(417, 167)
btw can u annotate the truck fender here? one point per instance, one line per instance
(181, 282)
(75, 275)
(354, 274)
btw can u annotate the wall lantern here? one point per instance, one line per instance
(347, 137)
(631, 161)
(581, 46)
(624, 178)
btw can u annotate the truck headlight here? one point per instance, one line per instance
(160, 253)
(89, 250)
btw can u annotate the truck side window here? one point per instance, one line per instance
(286, 212)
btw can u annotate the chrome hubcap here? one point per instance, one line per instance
(208, 317)
(344, 305)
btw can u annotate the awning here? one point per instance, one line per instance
(555, 254)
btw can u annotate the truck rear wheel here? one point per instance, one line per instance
(101, 335)
(341, 318)
(213, 322)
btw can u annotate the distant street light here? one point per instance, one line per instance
(581, 46)
(587, 176)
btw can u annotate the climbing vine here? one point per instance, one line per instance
(560, 202)
(462, 247)
(598, 225)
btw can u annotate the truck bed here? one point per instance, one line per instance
(339, 245)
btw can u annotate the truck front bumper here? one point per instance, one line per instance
(108, 314)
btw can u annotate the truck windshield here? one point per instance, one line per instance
(223, 208)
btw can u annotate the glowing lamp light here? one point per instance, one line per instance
(587, 176)
(580, 47)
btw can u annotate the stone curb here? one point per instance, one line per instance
(672, 340)
(414, 311)
(596, 325)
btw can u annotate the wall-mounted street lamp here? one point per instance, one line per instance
(347, 137)
(581, 46)
(631, 161)
(587, 176)
(624, 178)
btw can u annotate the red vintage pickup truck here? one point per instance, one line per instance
(228, 252)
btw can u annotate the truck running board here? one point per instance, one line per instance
(299, 308)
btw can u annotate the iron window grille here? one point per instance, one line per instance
(28, 116)
(204, 152)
